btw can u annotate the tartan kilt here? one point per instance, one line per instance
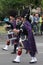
(23, 41)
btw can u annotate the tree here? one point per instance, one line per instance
(42, 3)
(37, 2)
(6, 5)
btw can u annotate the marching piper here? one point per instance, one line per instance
(26, 39)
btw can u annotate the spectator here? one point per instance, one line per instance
(36, 23)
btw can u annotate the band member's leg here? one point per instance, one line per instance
(34, 59)
(14, 51)
(15, 42)
(7, 45)
(17, 60)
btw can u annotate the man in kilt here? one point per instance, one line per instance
(26, 39)
(12, 37)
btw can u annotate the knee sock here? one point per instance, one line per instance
(8, 42)
(18, 55)
(6, 46)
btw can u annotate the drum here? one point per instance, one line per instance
(11, 35)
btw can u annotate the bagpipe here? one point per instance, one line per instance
(23, 36)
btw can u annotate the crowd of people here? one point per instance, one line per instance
(37, 23)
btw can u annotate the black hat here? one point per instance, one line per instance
(25, 12)
(13, 13)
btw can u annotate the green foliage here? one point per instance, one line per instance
(6, 5)
(42, 3)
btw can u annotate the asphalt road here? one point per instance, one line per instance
(6, 57)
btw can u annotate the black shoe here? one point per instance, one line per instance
(13, 52)
(33, 62)
(15, 62)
